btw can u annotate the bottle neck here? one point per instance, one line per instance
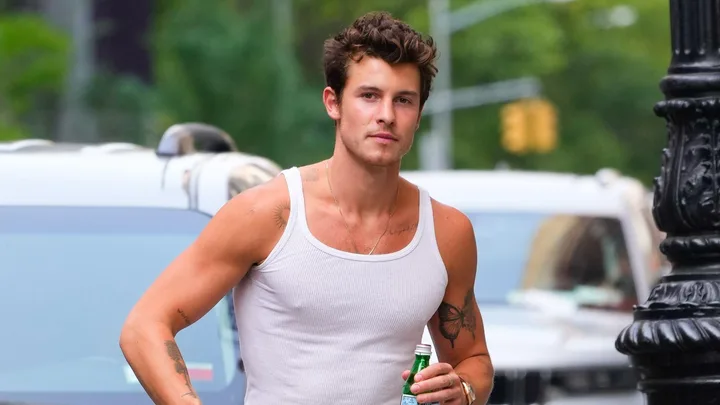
(421, 361)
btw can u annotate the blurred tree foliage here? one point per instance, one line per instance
(601, 74)
(226, 62)
(240, 65)
(219, 61)
(33, 63)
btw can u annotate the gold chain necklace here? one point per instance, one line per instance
(347, 227)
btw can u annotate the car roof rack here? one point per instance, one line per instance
(191, 137)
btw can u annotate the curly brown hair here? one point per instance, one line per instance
(379, 34)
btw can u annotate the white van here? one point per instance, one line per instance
(84, 229)
(562, 259)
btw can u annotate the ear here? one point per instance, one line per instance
(332, 103)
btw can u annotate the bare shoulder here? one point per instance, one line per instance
(311, 173)
(252, 221)
(455, 236)
(270, 202)
(262, 201)
(451, 224)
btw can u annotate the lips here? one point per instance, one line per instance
(384, 135)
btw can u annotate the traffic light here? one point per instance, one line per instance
(543, 118)
(529, 125)
(514, 128)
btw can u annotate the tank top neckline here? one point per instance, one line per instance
(298, 197)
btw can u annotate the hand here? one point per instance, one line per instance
(437, 383)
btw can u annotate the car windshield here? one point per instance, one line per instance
(69, 278)
(581, 259)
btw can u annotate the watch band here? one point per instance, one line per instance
(467, 391)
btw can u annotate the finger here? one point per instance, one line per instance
(433, 370)
(441, 382)
(442, 397)
(405, 374)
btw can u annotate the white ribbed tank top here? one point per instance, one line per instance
(318, 325)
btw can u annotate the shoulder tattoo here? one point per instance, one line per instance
(281, 213)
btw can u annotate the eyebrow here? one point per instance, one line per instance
(400, 93)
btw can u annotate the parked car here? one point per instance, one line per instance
(84, 229)
(562, 259)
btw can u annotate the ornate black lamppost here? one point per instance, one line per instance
(674, 341)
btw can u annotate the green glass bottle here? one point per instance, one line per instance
(422, 360)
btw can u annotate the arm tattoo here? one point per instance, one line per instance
(184, 317)
(453, 319)
(174, 352)
(282, 213)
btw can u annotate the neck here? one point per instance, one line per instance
(362, 189)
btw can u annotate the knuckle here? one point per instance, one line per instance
(430, 397)
(425, 398)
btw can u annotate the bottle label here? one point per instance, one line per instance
(411, 400)
(408, 400)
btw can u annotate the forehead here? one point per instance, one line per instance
(372, 71)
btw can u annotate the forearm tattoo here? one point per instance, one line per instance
(174, 352)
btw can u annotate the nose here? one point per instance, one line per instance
(386, 112)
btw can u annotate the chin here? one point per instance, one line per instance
(381, 160)
(377, 156)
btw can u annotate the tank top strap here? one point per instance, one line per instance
(426, 223)
(425, 214)
(295, 191)
(297, 208)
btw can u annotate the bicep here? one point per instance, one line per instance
(198, 278)
(456, 327)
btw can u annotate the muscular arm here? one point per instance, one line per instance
(242, 233)
(457, 327)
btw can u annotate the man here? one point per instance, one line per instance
(337, 267)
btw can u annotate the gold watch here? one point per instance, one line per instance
(469, 392)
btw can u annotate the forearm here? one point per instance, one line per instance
(152, 352)
(478, 372)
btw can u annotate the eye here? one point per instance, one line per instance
(404, 100)
(368, 95)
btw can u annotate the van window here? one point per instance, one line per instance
(582, 258)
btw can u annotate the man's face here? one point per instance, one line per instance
(379, 111)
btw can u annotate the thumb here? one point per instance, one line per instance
(405, 375)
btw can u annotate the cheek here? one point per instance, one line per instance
(408, 120)
(357, 113)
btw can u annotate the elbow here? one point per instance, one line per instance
(489, 369)
(129, 336)
(139, 331)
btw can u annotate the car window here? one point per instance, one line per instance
(582, 258)
(69, 277)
